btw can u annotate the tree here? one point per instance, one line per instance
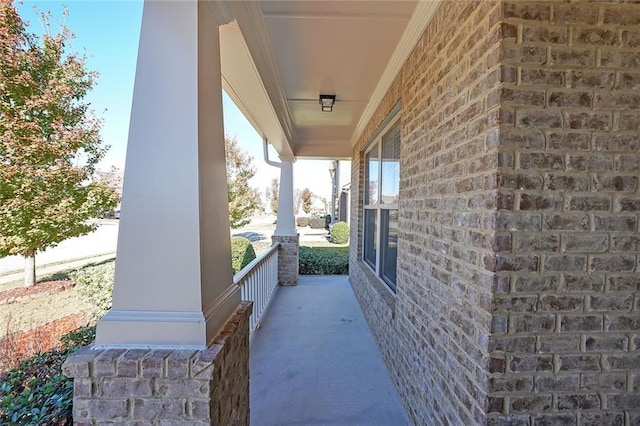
(113, 178)
(306, 200)
(297, 200)
(272, 194)
(244, 201)
(49, 142)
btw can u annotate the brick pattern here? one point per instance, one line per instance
(434, 335)
(518, 289)
(166, 386)
(566, 311)
(287, 258)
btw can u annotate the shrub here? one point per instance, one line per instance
(36, 392)
(316, 223)
(94, 284)
(340, 233)
(302, 221)
(242, 253)
(323, 260)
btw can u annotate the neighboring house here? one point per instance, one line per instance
(494, 203)
(340, 183)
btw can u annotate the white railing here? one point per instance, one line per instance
(258, 281)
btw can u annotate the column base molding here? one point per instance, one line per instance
(148, 329)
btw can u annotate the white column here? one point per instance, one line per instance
(334, 189)
(286, 224)
(174, 283)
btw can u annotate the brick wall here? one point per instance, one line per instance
(287, 258)
(434, 333)
(517, 297)
(566, 307)
(166, 386)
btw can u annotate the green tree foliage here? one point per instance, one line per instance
(306, 200)
(244, 200)
(49, 142)
(273, 195)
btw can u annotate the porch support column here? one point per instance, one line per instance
(285, 232)
(174, 282)
(174, 347)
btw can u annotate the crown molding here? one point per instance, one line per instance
(222, 11)
(420, 19)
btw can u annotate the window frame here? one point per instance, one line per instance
(376, 143)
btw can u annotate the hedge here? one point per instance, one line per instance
(242, 253)
(317, 223)
(323, 260)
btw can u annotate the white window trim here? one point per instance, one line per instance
(376, 140)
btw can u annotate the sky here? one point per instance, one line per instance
(109, 31)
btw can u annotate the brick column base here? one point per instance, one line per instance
(287, 258)
(166, 386)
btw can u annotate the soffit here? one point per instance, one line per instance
(278, 56)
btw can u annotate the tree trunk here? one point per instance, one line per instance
(30, 269)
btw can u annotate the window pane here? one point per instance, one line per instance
(391, 165)
(372, 164)
(370, 237)
(389, 255)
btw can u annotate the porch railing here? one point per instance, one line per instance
(258, 281)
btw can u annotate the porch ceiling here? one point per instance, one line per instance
(278, 56)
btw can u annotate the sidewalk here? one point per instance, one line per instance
(261, 228)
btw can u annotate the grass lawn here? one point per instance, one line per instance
(24, 315)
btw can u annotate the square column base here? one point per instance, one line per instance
(166, 386)
(287, 258)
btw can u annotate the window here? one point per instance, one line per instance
(381, 192)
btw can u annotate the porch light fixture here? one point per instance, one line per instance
(327, 102)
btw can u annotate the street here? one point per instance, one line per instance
(92, 247)
(102, 241)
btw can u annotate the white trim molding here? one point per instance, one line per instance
(249, 18)
(422, 15)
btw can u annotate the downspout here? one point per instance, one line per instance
(266, 155)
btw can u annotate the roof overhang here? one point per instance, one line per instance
(278, 56)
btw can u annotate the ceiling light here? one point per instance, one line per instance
(327, 102)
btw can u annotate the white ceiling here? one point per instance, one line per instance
(278, 56)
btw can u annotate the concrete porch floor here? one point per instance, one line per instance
(314, 361)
